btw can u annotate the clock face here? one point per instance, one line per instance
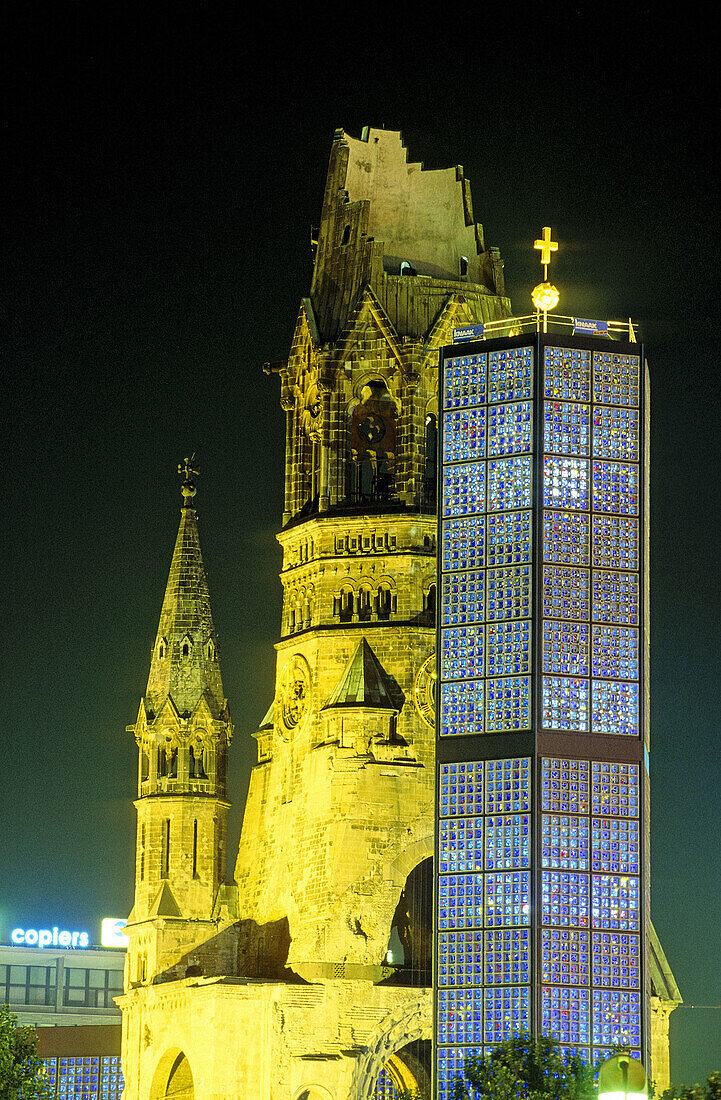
(293, 696)
(424, 691)
(371, 429)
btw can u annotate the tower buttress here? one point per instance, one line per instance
(183, 730)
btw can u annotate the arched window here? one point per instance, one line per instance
(364, 603)
(345, 604)
(385, 601)
(429, 471)
(371, 452)
(429, 605)
(464, 266)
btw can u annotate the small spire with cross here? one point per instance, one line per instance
(188, 469)
(546, 246)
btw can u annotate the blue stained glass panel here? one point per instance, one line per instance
(509, 483)
(450, 1063)
(565, 483)
(508, 704)
(461, 788)
(565, 842)
(616, 960)
(461, 845)
(463, 543)
(507, 842)
(566, 1014)
(615, 433)
(565, 648)
(509, 593)
(615, 708)
(614, 789)
(615, 597)
(462, 708)
(615, 487)
(509, 429)
(565, 956)
(567, 374)
(510, 375)
(565, 703)
(463, 598)
(615, 542)
(506, 1012)
(615, 902)
(459, 1015)
(565, 899)
(508, 648)
(508, 899)
(461, 652)
(565, 538)
(615, 378)
(508, 785)
(564, 786)
(464, 489)
(566, 428)
(460, 958)
(565, 592)
(509, 538)
(464, 381)
(464, 435)
(508, 953)
(460, 901)
(616, 1018)
(615, 652)
(615, 846)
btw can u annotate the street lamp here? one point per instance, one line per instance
(622, 1078)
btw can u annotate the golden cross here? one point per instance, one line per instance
(188, 468)
(546, 246)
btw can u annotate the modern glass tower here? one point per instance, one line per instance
(542, 784)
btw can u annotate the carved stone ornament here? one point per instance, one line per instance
(294, 697)
(424, 691)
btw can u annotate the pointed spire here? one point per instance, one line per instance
(185, 665)
(365, 683)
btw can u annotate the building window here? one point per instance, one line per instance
(165, 849)
(195, 849)
(85, 988)
(385, 601)
(364, 604)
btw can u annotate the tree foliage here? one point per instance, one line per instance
(21, 1071)
(710, 1091)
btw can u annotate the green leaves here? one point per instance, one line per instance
(21, 1071)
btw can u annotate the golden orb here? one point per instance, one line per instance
(545, 296)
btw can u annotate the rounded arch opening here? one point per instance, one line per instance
(410, 945)
(173, 1078)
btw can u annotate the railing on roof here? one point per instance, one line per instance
(551, 322)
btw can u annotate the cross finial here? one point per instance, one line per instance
(189, 470)
(546, 246)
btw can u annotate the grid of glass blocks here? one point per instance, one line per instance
(92, 1077)
(615, 433)
(508, 956)
(508, 785)
(615, 542)
(508, 648)
(385, 1088)
(464, 381)
(462, 652)
(615, 846)
(616, 1018)
(565, 899)
(615, 902)
(464, 542)
(464, 489)
(565, 842)
(615, 378)
(509, 538)
(461, 845)
(509, 429)
(508, 704)
(508, 842)
(564, 786)
(460, 958)
(615, 652)
(615, 597)
(614, 789)
(566, 428)
(567, 374)
(564, 704)
(464, 435)
(565, 483)
(506, 1012)
(460, 901)
(616, 960)
(509, 593)
(564, 956)
(615, 708)
(510, 375)
(565, 538)
(461, 788)
(509, 484)
(450, 1063)
(565, 648)
(615, 488)
(566, 1014)
(462, 598)
(508, 899)
(565, 592)
(459, 1015)
(462, 709)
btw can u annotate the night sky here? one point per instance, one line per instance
(162, 175)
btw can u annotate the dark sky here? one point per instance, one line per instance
(162, 175)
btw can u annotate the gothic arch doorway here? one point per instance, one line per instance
(398, 1049)
(173, 1079)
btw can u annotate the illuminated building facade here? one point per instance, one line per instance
(542, 734)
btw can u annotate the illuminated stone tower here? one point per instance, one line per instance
(182, 730)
